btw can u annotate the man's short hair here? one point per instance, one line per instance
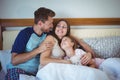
(42, 14)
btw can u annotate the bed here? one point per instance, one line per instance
(102, 34)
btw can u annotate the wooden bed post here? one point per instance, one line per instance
(1, 43)
(1, 38)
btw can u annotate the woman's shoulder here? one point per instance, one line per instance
(50, 38)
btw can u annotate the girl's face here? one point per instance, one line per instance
(66, 43)
(61, 29)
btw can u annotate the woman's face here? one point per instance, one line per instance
(66, 43)
(61, 29)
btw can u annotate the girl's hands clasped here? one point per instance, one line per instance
(85, 59)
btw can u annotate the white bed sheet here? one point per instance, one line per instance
(111, 67)
(109, 70)
(57, 71)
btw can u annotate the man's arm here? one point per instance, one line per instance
(23, 57)
(18, 58)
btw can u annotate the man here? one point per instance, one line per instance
(26, 49)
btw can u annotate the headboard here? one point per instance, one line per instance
(79, 32)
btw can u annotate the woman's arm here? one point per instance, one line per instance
(86, 47)
(86, 58)
(45, 57)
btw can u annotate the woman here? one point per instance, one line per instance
(56, 71)
(61, 29)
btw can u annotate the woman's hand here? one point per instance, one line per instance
(85, 59)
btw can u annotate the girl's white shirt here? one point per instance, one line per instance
(76, 58)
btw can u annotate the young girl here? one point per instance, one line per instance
(72, 52)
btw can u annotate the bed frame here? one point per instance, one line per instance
(73, 22)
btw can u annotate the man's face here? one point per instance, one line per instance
(48, 25)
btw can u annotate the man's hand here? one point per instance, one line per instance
(45, 46)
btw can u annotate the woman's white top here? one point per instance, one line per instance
(57, 52)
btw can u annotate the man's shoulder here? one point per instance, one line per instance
(26, 32)
(27, 29)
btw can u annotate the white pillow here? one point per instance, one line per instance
(105, 47)
(5, 58)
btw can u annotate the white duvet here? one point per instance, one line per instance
(57, 71)
(111, 67)
(109, 70)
